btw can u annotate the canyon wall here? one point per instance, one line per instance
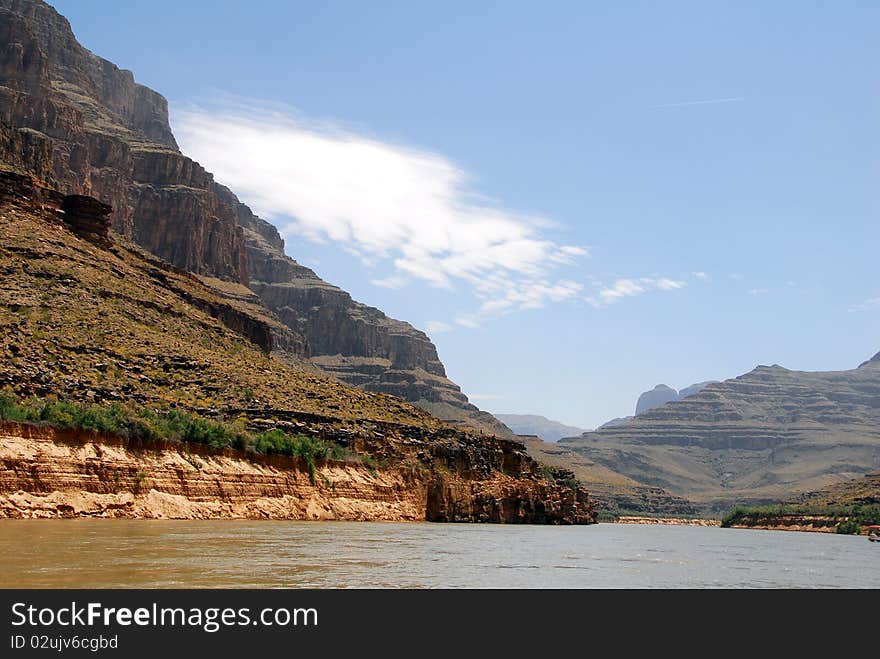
(109, 137)
(47, 472)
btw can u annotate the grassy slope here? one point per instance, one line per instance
(97, 326)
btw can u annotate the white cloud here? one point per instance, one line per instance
(469, 320)
(758, 291)
(393, 281)
(622, 288)
(669, 284)
(867, 305)
(701, 275)
(710, 101)
(386, 203)
(437, 326)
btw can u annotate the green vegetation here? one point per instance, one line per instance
(849, 527)
(571, 483)
(552, 474)
(850, 517)
(174, 426)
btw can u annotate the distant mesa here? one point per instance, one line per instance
(539, 426)
(659, 395)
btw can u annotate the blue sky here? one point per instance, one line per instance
(576, 200)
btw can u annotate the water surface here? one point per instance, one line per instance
(87, 553)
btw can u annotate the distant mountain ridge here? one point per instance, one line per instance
(662, 394)
(535, 424)
(659, 395)
(761, 437)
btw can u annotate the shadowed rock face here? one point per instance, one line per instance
(109, 137)
(760, 437)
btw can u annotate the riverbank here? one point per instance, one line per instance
(810, 523)
(52, 473)
(48, 472)
(677, 521)
(849, 520)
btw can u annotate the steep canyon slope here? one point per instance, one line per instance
(84, 124)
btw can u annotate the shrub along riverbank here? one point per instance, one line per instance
(174, 426)
(844, 519)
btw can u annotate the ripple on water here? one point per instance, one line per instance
(237, 554)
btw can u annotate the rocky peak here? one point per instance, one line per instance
(659, 395)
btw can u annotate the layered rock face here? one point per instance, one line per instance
(50, 473)
(760, 437)
(109, 138)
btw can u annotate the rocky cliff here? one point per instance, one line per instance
(109, 137)
(50, 473)
(758, 438)
(99, 323)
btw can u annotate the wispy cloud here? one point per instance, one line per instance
(701, 275)
(622, 288)
(397, 206)
(867, 305)
(437, 327)
(758, 291)
(710, 101)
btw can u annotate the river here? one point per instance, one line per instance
(90, 553)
